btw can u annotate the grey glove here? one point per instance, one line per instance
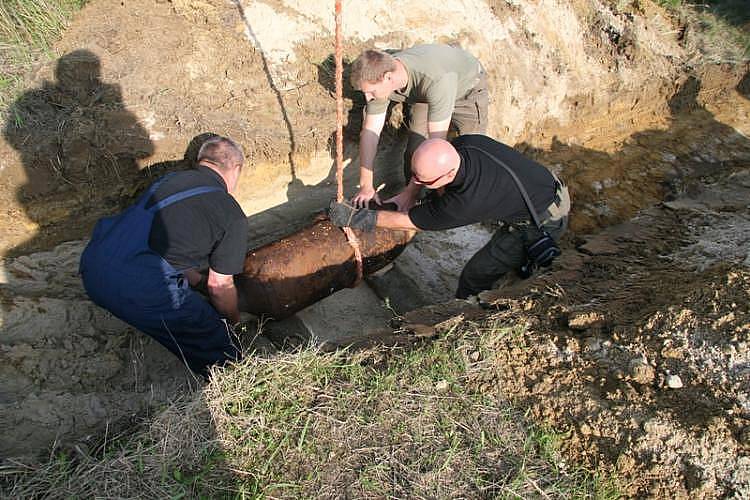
(345, 215)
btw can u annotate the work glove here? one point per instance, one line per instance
(345, 215)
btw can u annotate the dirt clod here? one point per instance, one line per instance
(642, 372)
(585, 320)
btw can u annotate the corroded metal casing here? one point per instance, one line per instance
(288, 275)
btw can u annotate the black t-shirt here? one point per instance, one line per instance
(484, 190)
(205, 230)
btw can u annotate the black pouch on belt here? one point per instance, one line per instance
(540, 253)
(543, 251)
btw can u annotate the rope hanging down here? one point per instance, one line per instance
(350, 236)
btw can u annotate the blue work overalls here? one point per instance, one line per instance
(122, 274)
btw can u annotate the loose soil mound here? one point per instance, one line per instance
(638, 347)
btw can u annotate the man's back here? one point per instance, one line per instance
(208, 230)
(438, 74)
(430, 62)
(483, 190)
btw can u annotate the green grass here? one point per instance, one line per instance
(733, 11)
(27, 30)
(719, 29)
(379, 423)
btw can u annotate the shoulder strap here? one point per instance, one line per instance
(174, 198)
(143, 200)
(524, 194)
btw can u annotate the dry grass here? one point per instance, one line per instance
(380, 423)
(141, 466)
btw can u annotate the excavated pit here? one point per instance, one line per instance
(88, 370)
(623, 123)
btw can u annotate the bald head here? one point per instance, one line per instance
(435, 159)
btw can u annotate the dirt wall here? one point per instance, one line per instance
(136, 81)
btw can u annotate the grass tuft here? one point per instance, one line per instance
(378, 423)
(27, 30)
(718, 29)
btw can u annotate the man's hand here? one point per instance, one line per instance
(404, 201)
(364, 195)
(346, 215)
(407, 198)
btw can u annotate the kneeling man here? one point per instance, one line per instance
(142, 263)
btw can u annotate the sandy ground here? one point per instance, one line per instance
(598, 93)
(69, 367)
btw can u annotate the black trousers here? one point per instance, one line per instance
(505, 252)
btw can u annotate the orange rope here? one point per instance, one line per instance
(350, 236)
(339, 107)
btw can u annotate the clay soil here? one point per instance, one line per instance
(637, 342)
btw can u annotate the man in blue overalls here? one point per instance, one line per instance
(142, 263)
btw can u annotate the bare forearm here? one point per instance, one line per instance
(394, 220)
(412, 190)
(368, 146)
(224, 299)
(438, 130)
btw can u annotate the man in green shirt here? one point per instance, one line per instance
(440, 85)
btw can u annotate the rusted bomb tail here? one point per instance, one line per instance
(288, 275)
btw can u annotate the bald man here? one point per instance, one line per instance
(468, 183)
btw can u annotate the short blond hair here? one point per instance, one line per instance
(371, 66)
